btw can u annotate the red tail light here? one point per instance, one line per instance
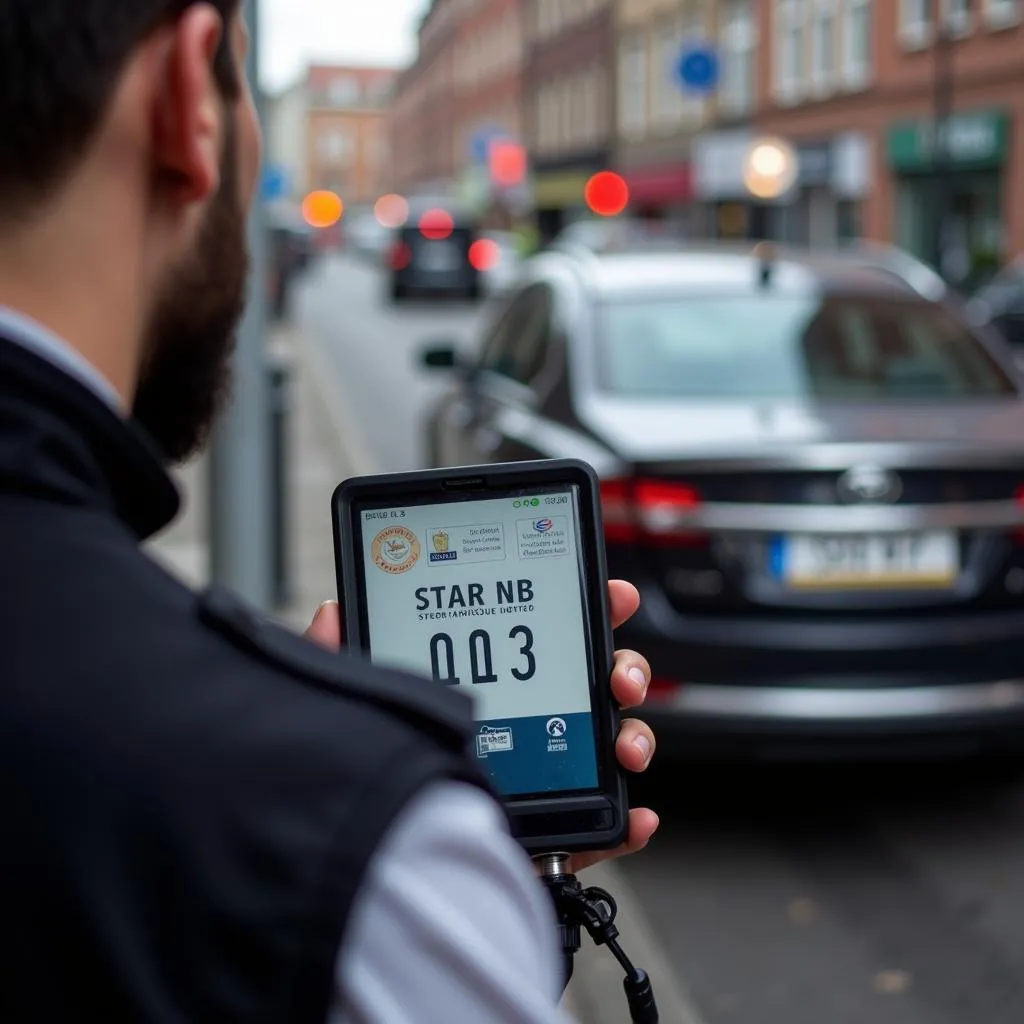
(650, 512)
(400, 256)
(1018, 532)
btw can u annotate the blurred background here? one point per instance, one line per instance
(760, 263)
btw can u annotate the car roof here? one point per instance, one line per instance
(664, 267)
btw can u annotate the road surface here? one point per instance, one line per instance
(890, 894)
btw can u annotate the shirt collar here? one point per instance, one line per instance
(30, 334)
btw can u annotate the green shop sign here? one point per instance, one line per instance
(977, 139)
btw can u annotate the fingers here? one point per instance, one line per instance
(635, 745)
(624, 599)
(631, 676)
(325, 629)
(643, 823)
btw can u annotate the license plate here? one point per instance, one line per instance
(866, 561)
(439, 256)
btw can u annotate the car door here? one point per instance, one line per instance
(511, 356)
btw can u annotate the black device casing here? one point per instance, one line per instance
(563, 823)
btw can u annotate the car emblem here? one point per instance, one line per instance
(869, 485)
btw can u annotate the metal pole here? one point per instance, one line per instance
(943, 100)
(239, 517)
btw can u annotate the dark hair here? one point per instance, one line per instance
(60, 61)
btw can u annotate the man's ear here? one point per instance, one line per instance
(189, 118)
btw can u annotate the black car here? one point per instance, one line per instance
(814, 475)
(436, 253)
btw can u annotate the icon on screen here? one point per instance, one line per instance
(491, 740)
(556, 728)
(543, 525)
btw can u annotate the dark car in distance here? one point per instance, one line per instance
(813, 474)
(436, 253)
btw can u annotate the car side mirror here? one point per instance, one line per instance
(440, 357)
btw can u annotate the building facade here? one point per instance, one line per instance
(568, 103)
(489, 51)
(852, 84)
(657, 117)
(347, 148)
(422, 124)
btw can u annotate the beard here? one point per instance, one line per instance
(190, 337)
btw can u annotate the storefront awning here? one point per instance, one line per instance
(665, 184)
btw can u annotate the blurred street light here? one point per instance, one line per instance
(391, 211)
(770, 168)
(607, 194)
(322, 209)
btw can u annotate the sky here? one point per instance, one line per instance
(295, 32)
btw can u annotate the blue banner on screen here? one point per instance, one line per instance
(485, 595)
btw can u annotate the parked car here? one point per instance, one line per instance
(432, 255)
(814, 475)
(1000, 303)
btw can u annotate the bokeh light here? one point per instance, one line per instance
(322, 209)
(770, 168)
(606, 193)
(437, 224)
(483, 254)
(391, 211)
(507, 162)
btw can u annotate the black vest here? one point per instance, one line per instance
(190, 795)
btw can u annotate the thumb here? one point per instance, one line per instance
(325, 629)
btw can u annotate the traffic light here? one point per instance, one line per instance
(606, 193)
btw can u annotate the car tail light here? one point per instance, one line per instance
(1018, 532)
(653, 512)
(400, 256)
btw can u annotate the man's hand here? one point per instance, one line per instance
(631, 675)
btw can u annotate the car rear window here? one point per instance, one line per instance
(778, 346)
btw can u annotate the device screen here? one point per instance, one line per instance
(488, 595)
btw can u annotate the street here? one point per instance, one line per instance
(889, 893)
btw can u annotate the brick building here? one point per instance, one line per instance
(851, 83)
(488, 87)
(568, 102)
(421, 124)
(346, 137)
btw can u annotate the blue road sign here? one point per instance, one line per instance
(697, 68)
(274, 183)
(480, 143)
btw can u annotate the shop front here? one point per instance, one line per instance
(833, 176)
(977, 151)
(661, 192)
(559, 195)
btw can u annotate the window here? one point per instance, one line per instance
(1003, 13)
(791, 50)
(343, 91)
(957, 16)
(857, 48)
(737, 45)
(335, 146)
(632, 86)
(915, 23)
(517, 345)
(668, 101)
(823, 36)
(693, 105)
(731, 347)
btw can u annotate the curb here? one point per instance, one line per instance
(595, 994)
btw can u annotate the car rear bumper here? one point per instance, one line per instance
(809, 678)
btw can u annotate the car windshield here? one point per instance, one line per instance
(764, 346)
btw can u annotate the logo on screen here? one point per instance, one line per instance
(395, 549)
(490, 740)
(543, 525)
(556, 735)
(441, 543)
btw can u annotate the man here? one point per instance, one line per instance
(205, 817)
